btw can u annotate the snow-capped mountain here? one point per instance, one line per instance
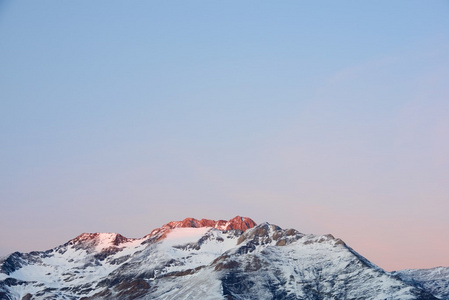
(202, 259)
(435, 280)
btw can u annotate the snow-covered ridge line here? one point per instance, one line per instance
(115, 239)
(202, 259)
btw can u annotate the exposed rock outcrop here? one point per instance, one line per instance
(202, 259)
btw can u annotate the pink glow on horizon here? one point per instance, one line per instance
(391, 243)
(212, 111)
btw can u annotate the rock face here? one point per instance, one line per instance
(202, 259)
(237, 223)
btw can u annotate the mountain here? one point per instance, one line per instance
(434, 280)
(202, 259)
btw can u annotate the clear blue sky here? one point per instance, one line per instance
(325, 116)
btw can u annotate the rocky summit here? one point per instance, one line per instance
(204, 259)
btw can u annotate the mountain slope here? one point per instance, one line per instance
(435, 280)
(201, 259)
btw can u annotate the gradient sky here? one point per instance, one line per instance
(324, 116)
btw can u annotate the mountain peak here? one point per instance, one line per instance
(238, 223)
(241, 223)
(98, 241)
(207, 259)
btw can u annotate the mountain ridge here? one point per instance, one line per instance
(202, 259)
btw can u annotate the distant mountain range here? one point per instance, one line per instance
(206, 259)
